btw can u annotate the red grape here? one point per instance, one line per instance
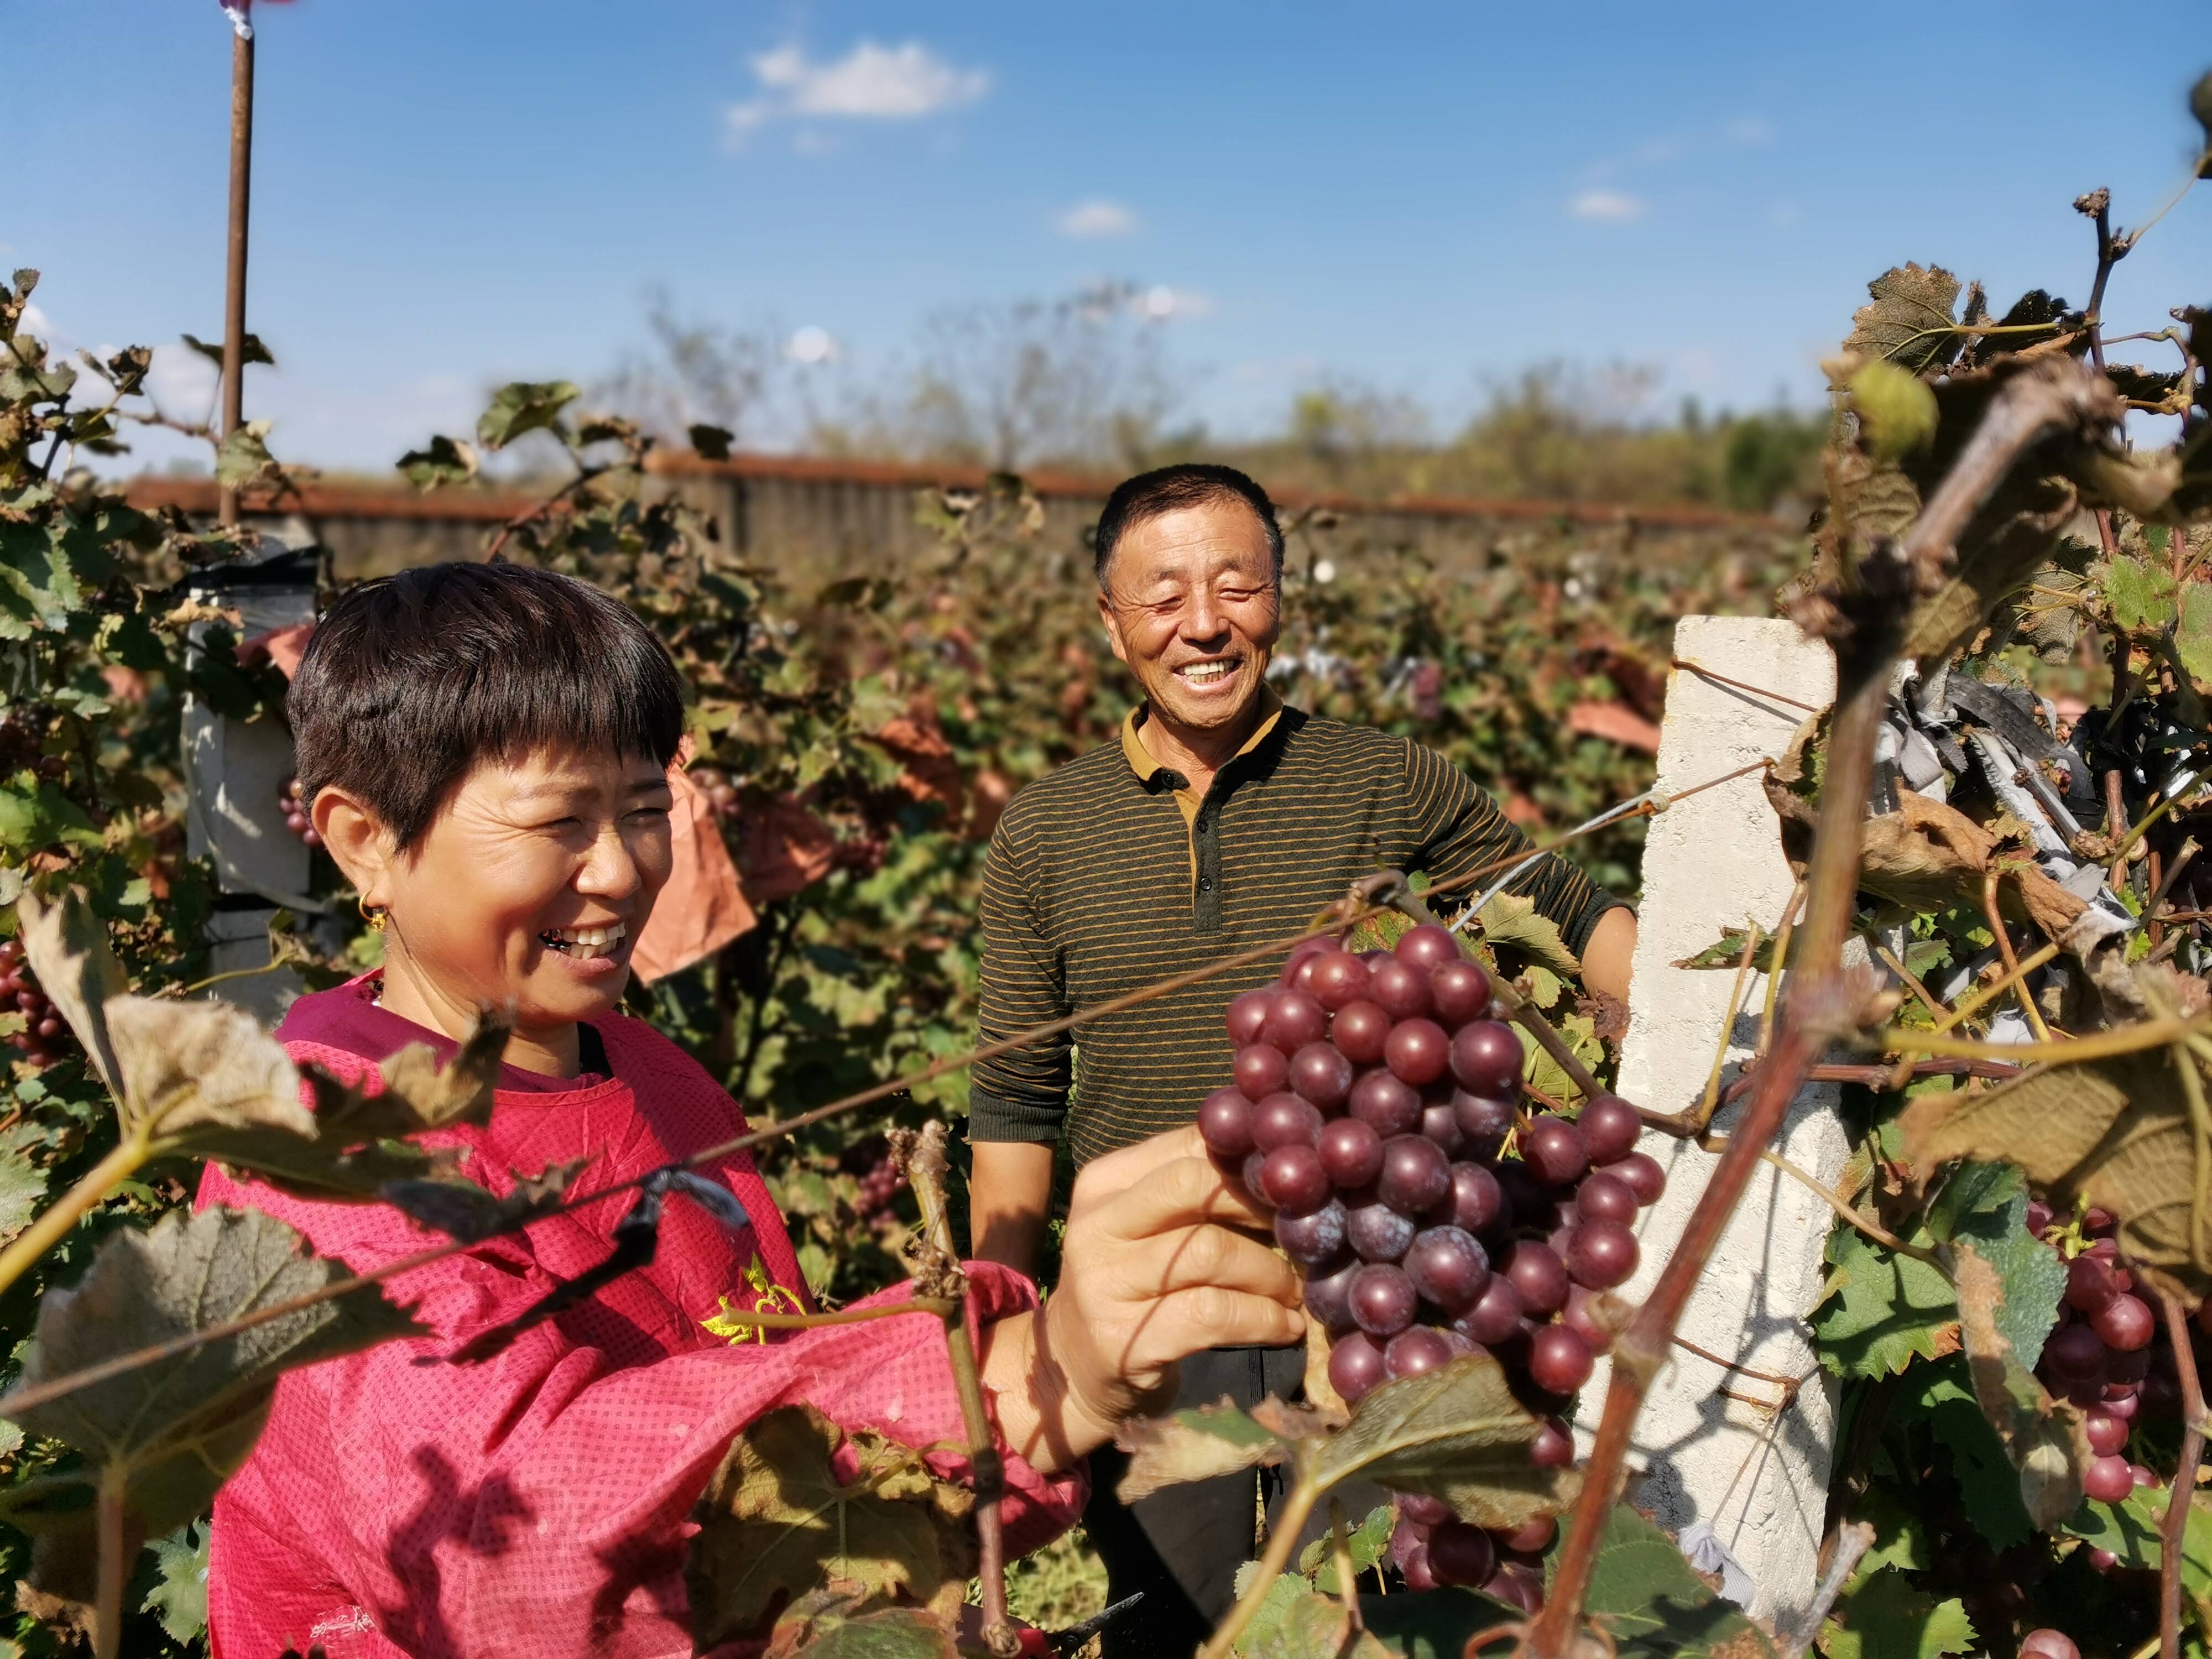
(1297, 966)
(1475, 1201)
(1321, 1074)
(1602, 1197)
(1539, 1275)
(1448, 1267)
(2124, 1324)
(1485, 1119)
(2122, 1406)
(1385, 1104)
(1580, 1316)
(1285, 1121)
(1461, 1554)
(1553, 1448)
(2089, 1287)
(2108, 1480)
(1440, 1125)
(1414, 1350)
(1260, 1070)
(1415, 1174)
(1360, 1031)
(1355, 1366)
(1496, 1315)
(1256, 1163)
(1416, 1571)
(1423, 1510)
(1312, 1238)
(1401, 990)
(1225, 1123)
(1292, 1178)
(1462, 992)
(2036, 1644)
(1602, 1255)
(1329, 1293)
(1339, 978)
(1560, 1361)
(2107, 1433)
(1351, 1152)
(1554, 1148)
(1428, 946)
(1376, 1232)
(2098, 1219)
(1610, 1126)
(1294, 1020)
(1516, 1586)
(1530, 1537)
(2129, 1367)
(1643, 1174)
(1382, 1299)
(1485, 1058)
(2075, 1351)
(1418, 1051)
(2142, 1476)
(2039, 1216)
(1248, 1014)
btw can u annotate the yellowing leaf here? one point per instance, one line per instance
(776, 1522)
(1203, 1442)
(2047, 1439)
(68, 951)
(202, 1065)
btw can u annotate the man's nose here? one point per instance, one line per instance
(1205, 620)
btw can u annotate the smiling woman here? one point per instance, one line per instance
(485, 750)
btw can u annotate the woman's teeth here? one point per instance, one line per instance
(583, 941)
(1205, 673)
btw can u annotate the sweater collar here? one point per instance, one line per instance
(1147, 768)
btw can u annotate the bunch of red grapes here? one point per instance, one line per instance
(43, 1038)
(295, 808)
(2108, 1354)
(881, 1178)
(1374, 1104)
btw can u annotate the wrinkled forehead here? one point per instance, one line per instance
(1188, 546)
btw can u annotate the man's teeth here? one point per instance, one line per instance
(585, 941)
(1205, 673)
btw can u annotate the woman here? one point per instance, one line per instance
(486, 749)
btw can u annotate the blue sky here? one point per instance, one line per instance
(1420, 196)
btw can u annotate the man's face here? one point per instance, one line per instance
(1190, 605)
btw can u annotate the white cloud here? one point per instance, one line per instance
(1750, 130)
(811, 345)
(870, 82)
(1610, 206)
(1160, 303)
(1097, 218)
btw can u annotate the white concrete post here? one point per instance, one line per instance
(1715, 1469)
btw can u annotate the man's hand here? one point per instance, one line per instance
(1008, 1195)
(1609, 952)
(1160, 1261)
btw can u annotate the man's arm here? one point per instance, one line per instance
(1016, 1100)
(1008, 1197)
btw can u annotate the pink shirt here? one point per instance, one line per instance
(538, 1504)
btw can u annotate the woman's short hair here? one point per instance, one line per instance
(410, 681)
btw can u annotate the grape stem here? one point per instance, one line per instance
(2054, 396)
(2185, 1481)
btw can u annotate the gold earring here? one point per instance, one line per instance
(374, 914)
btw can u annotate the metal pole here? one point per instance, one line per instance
(241, 179)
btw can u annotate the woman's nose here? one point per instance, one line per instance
(610, 870)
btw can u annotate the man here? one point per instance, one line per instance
(1220, 819)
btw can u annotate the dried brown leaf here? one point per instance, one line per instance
(776, 1522)
(1196, 1444)
(189, 1065)
(68, 951)
(415, 1093)
(1910, 319)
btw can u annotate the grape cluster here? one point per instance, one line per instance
(721, 795)
(43, 1038)
(295, 808)
(1373, 1107)
(881, 1178)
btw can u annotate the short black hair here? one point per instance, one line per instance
(1170, 489)
(411, 680)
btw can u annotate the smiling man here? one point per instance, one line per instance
(1220, 819)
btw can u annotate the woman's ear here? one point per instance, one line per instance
(357, 843)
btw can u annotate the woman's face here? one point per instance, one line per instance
(531, 886)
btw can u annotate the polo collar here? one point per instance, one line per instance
(1146, 769)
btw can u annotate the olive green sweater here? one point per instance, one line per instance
(1111, 873)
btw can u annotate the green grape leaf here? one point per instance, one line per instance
(1366, 1544)
(250, 349)
(1909, 320)
(837, 1622)
(2134, 1530)
(1983, 1208)
(2045, 1439)
(2141, 596)
(1510, 922)
(1456, 1433)
(1886, 1617)
(2192, 633)
(32, 820)
(1435, 1625)
(1896, 410)
(1942, 1396)
(1650, 1601)
(1879, 1311)
(1306, 1626)
(244, 460)
(180, 1596)
(775, 1521)
(180, 1428)
(22, 1189)
(524, 406)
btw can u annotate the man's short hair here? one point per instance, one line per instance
(1169, 490)
(410, 681)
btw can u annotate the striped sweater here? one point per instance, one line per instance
(1110, 873)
